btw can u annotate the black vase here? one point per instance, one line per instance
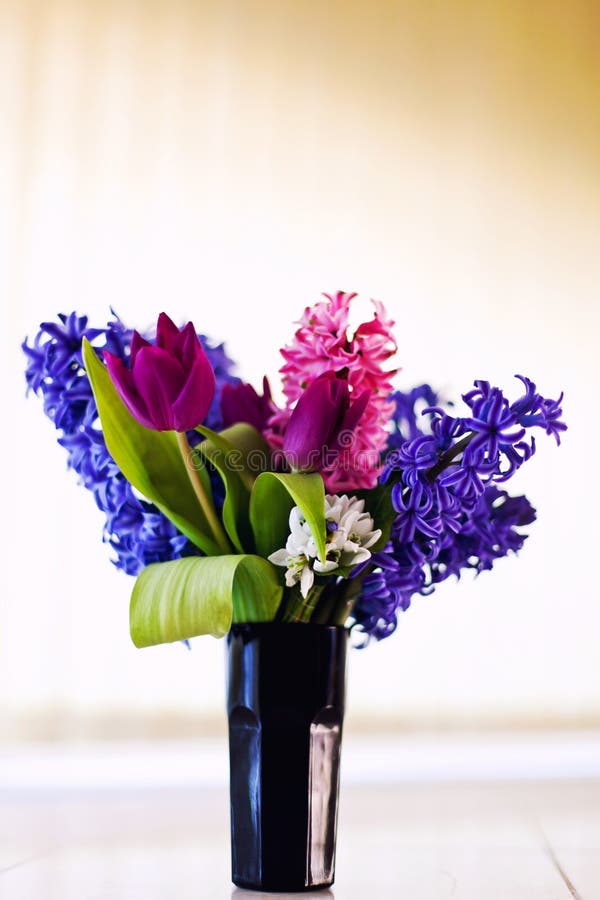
(285, 703)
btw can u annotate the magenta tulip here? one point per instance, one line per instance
(241, 403)
(322, 423)
(170, 384)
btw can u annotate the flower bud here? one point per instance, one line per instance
(321, 422)
(170, 384)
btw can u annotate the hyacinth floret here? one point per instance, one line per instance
(488, 534)
(415, 457)
(406, 423)
(467, 480)
(417, 511)
(386, 591)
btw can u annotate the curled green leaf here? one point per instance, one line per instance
(273, 496)
(183, 598)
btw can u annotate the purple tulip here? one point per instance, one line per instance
(322, 423)
(171, 384)
(241, 403)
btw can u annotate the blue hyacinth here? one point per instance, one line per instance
(136, 530)
(450, 514)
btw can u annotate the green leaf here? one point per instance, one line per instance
(183, 598)
(238, 453)
(246, 450)
(273, 496)
(378, 503)
(150, 460)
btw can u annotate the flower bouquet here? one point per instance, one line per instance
(283, 527)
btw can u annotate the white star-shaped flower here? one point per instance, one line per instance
(350, 533)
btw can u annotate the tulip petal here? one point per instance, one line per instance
(241, 403)
(234, 403)
(158, 377)
(187, 346)
(351, 419)
(355, 411)
(167, 332)
(122, 379)
(266, 389)
(314, 421)
(191, 406)
(137, 342)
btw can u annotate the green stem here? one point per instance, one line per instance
(326, 604)
(447, 457)
(301, 609)
(348, 597)
(205, 502)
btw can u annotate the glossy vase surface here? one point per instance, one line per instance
(285, 704)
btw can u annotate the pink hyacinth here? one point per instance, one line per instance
(322, 344)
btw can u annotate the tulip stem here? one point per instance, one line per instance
(205, 502)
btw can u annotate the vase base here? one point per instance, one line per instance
(283, 888)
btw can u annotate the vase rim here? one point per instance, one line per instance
(267, 626)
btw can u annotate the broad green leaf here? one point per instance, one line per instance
(273, 496)
(183, 598)
(150, 460)
(238, 453)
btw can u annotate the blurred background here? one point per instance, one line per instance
(227, 162)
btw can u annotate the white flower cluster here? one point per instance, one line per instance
(349, 535)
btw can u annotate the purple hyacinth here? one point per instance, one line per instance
(386, 591)
(417, 511)
(405, 424)
(408, 568)
(488, 534)
(451, 515)
(416, 456)
(136, 530)
(493, 423)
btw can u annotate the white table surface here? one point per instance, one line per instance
(419, 838)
